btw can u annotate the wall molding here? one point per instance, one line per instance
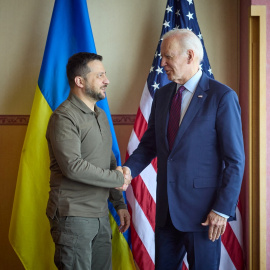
(123, 119)
(14, 120)
(257, 138)
(22, 120)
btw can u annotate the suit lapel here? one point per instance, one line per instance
(194, 106)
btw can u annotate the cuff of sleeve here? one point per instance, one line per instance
(121, 206)
(220, 214)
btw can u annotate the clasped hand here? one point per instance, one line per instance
(127, 176)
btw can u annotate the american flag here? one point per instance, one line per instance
(141, 195)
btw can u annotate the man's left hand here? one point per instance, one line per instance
(124, 219)
(217, 225)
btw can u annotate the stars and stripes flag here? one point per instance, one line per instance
(141, 195)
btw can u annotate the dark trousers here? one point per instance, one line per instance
(171, 246)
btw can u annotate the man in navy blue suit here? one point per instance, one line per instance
(200, 170)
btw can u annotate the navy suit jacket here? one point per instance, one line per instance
(204, 170)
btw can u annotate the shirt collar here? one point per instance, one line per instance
(81, 105)
(193, 82)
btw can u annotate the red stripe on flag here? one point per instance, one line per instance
(154, 164)
(184, 267)
(239, 205)
(141, 256)
(144, 199)
(127, 156)
(233, 247)
(140, 125)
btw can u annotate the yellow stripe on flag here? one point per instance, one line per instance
(124, 259)
(29, 231)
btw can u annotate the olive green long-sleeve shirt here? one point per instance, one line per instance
(81, 162)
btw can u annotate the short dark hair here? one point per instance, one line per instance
(77, 65)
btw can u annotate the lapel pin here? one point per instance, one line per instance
(200, 96)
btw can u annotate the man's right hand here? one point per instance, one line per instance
(119, 168)
(127, 174)
(127, 177)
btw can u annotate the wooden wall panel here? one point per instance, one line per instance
(11, 142)
(257, 138)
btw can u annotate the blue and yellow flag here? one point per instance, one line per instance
(29, 233)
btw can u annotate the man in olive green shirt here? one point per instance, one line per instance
(84, 173)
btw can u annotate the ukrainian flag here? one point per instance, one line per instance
(70, 32)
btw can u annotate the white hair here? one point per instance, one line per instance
(188, 41)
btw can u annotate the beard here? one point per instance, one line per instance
(93, 94)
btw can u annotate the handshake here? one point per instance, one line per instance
(127, 176)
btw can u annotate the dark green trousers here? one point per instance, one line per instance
(82, 243)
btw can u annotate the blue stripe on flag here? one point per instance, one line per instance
(70, 32)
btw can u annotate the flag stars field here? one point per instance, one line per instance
(155, 85)
(166, 24)
(159, 70)
(190, 16)
(169, 9)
